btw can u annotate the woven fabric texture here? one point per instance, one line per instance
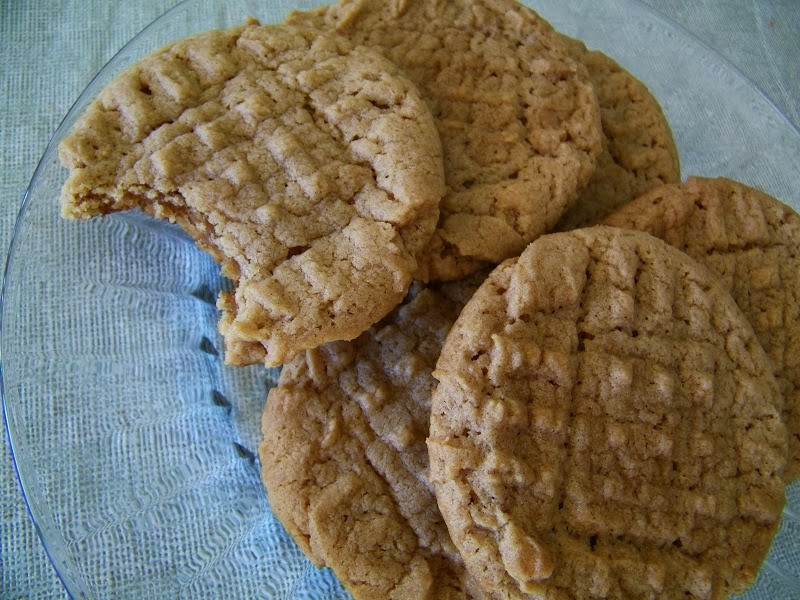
(51, 49)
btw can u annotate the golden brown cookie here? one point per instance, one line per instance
(518, 119)
(639, 152)
(752, 241)
(606, 425)
(311, 170)
(344, 458)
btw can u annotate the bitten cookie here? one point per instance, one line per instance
(639, 152)
(606, 424)
(310, 170)
(518, 118)
(344, 458)
(752, 241)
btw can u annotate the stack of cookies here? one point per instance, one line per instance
(472, 405)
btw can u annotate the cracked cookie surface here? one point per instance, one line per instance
(752, 242)
(639, 151)
(310, 170)
(344, 458)
(518, 118)
(606, 424)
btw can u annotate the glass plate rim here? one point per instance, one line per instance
(28, 486)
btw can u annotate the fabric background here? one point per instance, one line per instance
(50, 49)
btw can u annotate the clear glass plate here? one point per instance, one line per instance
(135, 446)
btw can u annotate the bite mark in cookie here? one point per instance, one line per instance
(311, 170)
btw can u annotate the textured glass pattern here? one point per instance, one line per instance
(136, 446)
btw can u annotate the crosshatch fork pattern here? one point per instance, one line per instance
(46, 72)
(621, 424)
(519, 123)
(204, 130)
(750, 241)
(344, 457)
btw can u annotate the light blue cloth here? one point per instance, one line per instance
(50, 51)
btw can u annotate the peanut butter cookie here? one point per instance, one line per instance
(639, 152)
(518, 118)
(752, 241)
(310, 170)
(344, 458)
(607, 425)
